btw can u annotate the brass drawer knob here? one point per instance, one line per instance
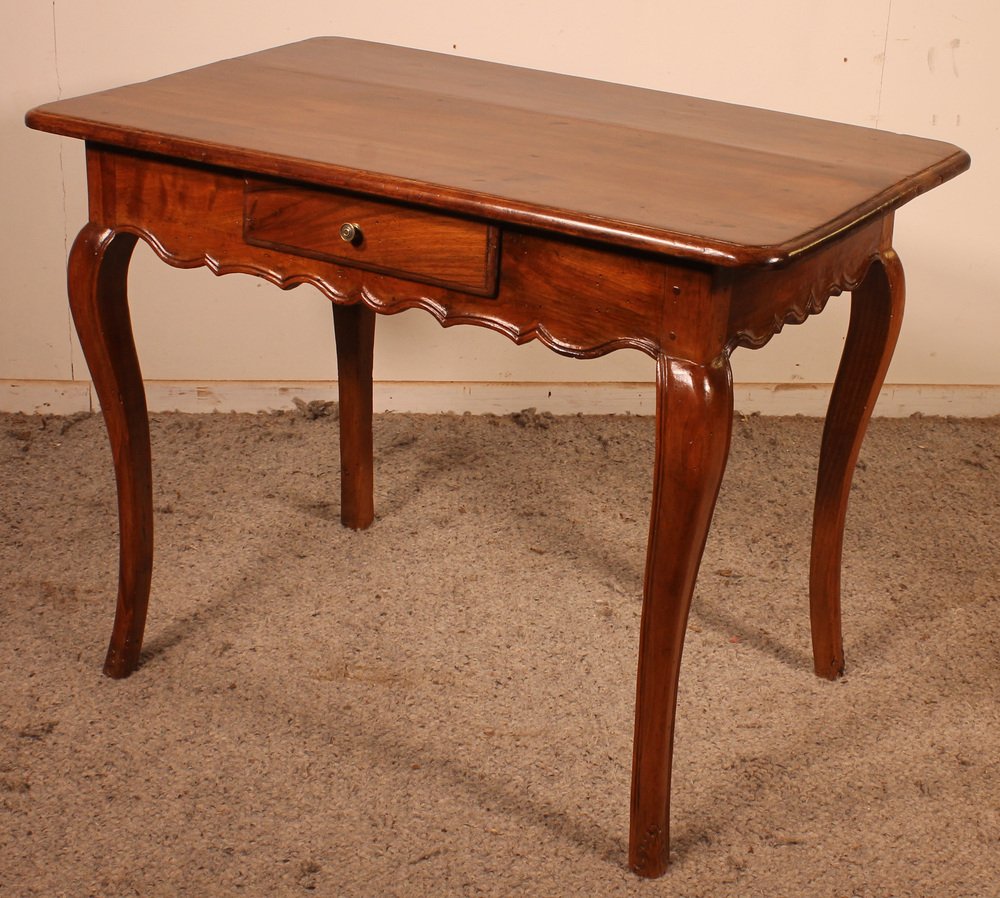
(350, 233)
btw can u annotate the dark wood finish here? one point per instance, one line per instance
(98, 263)
(876, 316)
(391, 237)
(766, 299)
(589, 216)
(355, 334)
(615, 302)
(725, 184)
(694, 419)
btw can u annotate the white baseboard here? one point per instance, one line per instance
(45, 397)
(57, 397)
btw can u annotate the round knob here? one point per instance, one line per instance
(350, 233)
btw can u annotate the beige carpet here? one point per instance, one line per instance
(442, 705)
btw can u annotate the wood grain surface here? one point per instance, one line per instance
(698, 179)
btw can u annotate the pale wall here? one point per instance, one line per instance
(927, 68)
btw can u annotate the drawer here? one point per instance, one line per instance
(379, 235)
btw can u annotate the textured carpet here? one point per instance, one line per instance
(442, 705)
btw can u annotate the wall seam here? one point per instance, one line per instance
(62, 181)
(885, 51)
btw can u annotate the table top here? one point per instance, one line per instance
(698, 179)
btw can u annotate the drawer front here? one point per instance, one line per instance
(383, 236)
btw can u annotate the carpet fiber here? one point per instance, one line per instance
(442, 705)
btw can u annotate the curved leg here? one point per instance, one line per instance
(876, 314)
(98, 266)
(354, 327)
(694, 416)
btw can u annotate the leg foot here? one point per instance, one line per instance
(98, 266)
(694, 412)
(876, 314)
(354, 326)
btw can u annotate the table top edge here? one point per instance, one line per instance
(707, 248)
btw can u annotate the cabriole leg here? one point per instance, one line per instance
(98, 267)
(876, 314)
(694, 412)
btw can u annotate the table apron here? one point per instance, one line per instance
(580, 298)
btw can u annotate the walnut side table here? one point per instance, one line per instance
(587, 215)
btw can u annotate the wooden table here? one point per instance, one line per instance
(589, 216)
